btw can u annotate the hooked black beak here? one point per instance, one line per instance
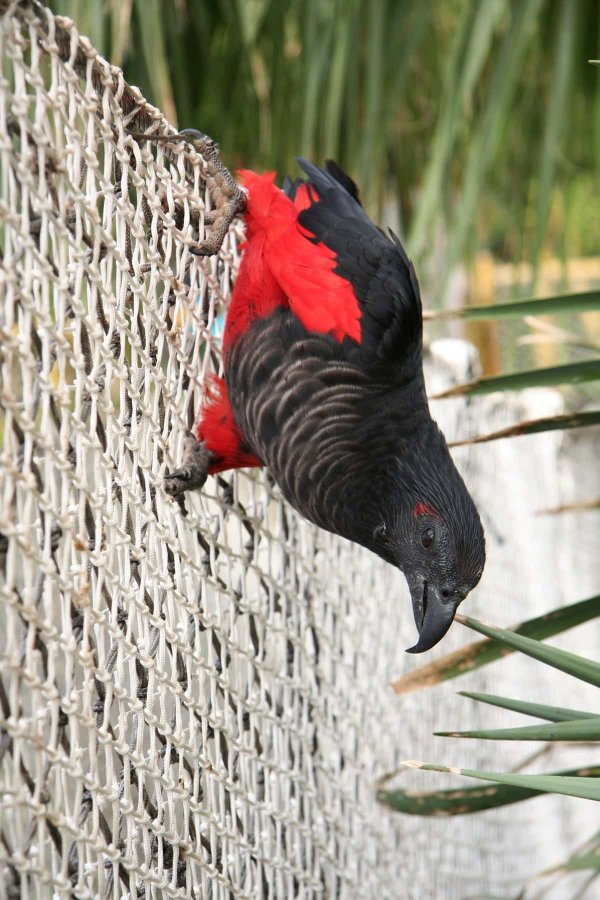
(433, 614)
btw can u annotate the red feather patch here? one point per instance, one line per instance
(305, 196)
(219, 433)
(283, 267)
(424, 509)
(256, 293)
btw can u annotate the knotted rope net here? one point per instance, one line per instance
(194, 697)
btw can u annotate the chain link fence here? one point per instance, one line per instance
(194, 697)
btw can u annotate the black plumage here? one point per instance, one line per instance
(324, 385)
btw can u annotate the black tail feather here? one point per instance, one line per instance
(291, 185)
(336, 189)
(343, 178)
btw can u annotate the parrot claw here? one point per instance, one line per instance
(228, 197)
(194, 471)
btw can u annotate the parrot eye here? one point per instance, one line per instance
(427, 538)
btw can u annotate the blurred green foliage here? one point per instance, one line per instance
(466, 124)
(482, 119)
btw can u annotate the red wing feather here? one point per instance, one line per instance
(323, 301)
(283, 265)
(219, 433)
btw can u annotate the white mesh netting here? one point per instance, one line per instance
(195, 699)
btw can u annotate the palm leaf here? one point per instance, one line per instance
(588, 859)
(570, 373)
(571, 663)
(461, 801)
(576, 506)
(540, 710)
(577, 730)
(536, 426)
(545, 306)
(481, 653)
(571, 785)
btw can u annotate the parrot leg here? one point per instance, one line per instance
(228, 197)
(216, 447)
(194, 470)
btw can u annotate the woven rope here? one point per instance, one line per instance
(161, 683)
(194, 699)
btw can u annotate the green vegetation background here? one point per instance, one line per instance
(481, 118)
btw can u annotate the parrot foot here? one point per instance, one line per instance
(226, 194)
(228, 197)
(194, 470)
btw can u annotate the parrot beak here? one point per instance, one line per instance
(433, 615)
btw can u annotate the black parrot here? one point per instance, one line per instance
(324, 386)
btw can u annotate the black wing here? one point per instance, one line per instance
(377, 267)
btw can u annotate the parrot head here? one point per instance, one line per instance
(426, 524)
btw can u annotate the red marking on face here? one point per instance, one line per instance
(424, 509)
